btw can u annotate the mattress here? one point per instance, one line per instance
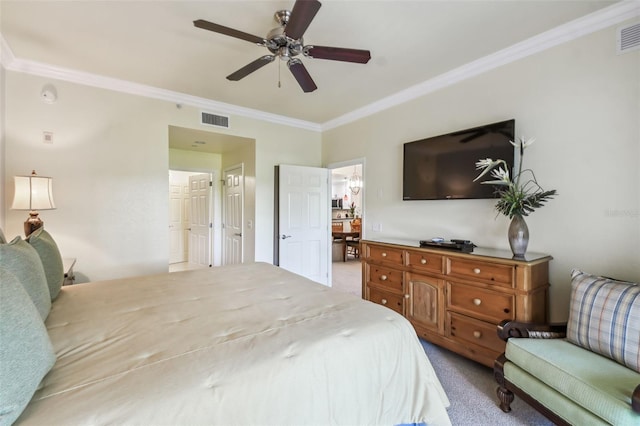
(234, 345)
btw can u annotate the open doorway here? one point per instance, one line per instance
(347, 220)
(197, 152)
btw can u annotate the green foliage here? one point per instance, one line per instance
(516, 198)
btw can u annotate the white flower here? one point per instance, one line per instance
(522, 143)
(501, 174)
(481, 164)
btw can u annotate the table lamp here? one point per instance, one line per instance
(33, 193)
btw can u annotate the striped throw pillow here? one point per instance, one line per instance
(604, 317)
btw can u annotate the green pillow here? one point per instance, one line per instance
(22, 260)
(49, 254)
(26, 354)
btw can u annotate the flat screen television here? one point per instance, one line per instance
(444, 167)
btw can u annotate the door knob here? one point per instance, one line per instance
(284, 237)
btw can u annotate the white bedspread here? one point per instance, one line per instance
(242, 344)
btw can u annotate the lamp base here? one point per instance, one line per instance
(32, 223)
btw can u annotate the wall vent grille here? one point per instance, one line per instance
(216, 120)
(628, 38)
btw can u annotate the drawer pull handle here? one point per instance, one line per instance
(406, 296)
(384, 254)
(476, 270)
(383, 277)
(383, 301)
(423, 261)
(477, 302)
(477, 334)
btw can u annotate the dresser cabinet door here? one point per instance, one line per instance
(425, 301)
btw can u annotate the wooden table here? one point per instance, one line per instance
(343, 235)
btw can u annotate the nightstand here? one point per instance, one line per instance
(67, 265)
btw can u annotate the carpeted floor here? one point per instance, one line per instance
(471, 389)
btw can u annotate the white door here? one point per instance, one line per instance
(178, 222)
(233, 215)
(200, 223)
(303, 221)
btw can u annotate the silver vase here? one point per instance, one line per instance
(518, 236)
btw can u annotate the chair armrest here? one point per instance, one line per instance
(507, 329)
(635, 400)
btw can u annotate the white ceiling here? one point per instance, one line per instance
(154, 43)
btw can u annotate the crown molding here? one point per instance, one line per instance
(614, 14)
(12, 63)
(588, 24)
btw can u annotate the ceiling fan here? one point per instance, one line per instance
(285, 42)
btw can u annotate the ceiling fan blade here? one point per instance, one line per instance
(249, 68)
(338, 54)
(206, 25)
(302, 14)
(302, 75)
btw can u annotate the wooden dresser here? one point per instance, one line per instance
(456, 299)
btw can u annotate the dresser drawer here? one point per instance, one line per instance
(384, 298)
(480, 303)
(424, 262)
(475, 332)
(385, 254)
(386, 277)
(496, 273)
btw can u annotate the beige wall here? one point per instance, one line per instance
(582, 103)
(191, 161)
(110, 160)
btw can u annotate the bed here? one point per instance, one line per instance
(240, 344)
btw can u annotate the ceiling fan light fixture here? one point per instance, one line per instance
(284, 53)
(285, 41)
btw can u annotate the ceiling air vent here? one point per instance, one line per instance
(628, 38)
(214, 120)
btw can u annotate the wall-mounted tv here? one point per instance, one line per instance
(443, 167)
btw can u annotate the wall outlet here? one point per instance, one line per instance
(376, 227)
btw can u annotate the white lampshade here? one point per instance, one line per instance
(33, 193)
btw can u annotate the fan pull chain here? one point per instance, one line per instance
(279, 66)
